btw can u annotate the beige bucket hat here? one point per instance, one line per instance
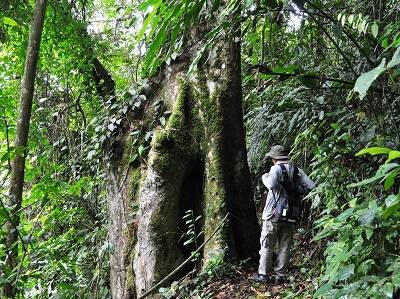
(278, 152)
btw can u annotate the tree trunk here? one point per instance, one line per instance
(21, 140)
(196, 162)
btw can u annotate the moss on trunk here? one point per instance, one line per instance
(196, 162)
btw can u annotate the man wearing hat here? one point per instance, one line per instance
(274, 231)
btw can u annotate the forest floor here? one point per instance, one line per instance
(242, 286)
(305, 261)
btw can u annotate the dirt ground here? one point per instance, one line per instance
(240, 285)
(305, 257)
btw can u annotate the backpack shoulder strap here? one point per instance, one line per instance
(286, 175)
(284, 171)
(295, 174)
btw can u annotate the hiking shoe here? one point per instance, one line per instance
(279, 280)
(260, 277)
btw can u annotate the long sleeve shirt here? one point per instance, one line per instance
(275, 190)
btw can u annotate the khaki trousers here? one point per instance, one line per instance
(274, 232)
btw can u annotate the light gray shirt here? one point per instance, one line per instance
(275, 190)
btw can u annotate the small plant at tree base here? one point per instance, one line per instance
(191, 235)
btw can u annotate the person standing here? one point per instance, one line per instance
(274, 231)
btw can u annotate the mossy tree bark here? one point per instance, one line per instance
(196, 161)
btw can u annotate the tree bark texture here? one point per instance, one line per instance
(196, 162)
(21, 139)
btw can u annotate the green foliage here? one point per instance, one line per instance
(358, 23)
(167, 26)
(329, 56)
(63, 219)
(191, 235)
(362, 259)
(364, 82)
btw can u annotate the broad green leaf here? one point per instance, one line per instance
(388, 290)
(8, 155)
(26, 261)
(343, 20)
(156, 20)
(395, 59)
(287, 70)
(395, 265)
(374, 29)
(150, 18)
(133, 158)
(382, 172)
(141, 149)
(351, 19)
(393, 155)
(162, 121)
(368, 232)
(323, 290)
(144, 6)
(392, 203)
(367, 218)
(391, 200)
(390, 211)
(9, 21)
(330, 230)
(396, 278)
(364, 26)
(389, 181)
(63, 267)
(366, 181)
(346, 214)
(346, 272)
(374, 151)
(364, 82)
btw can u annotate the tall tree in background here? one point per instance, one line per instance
(21, 139)
(196, 160)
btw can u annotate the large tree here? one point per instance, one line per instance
(196, 161)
